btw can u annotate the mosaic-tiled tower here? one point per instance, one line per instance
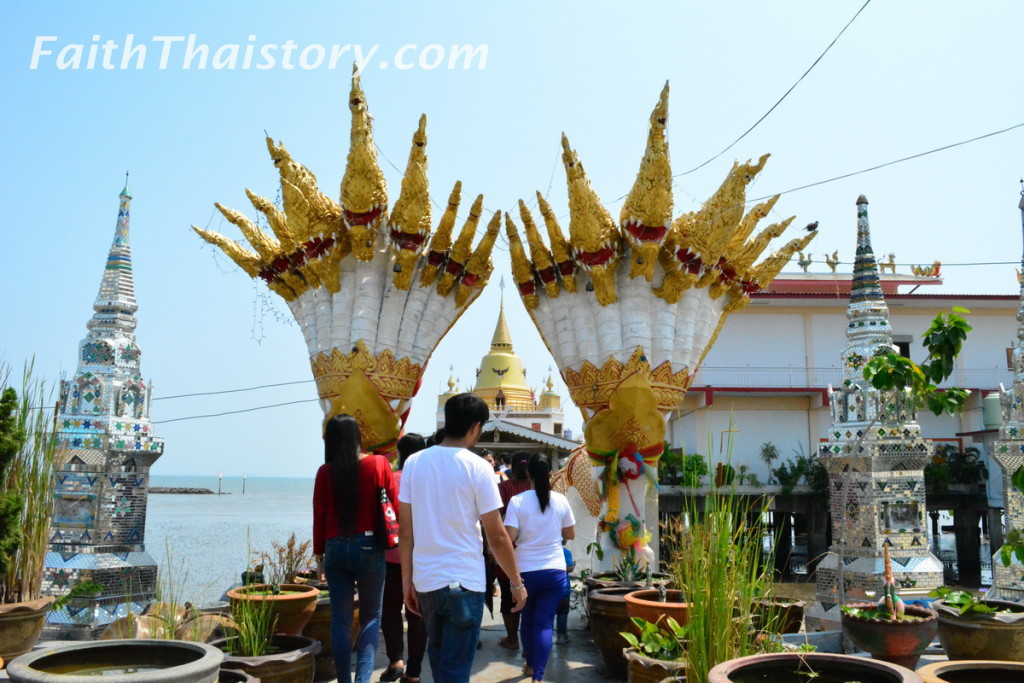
(875, 458)
(102, 474)
(1008, 582)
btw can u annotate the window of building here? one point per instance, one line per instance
(558, 428)
(903, 342)
(1009, 358)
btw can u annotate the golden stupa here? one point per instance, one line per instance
(501, 380)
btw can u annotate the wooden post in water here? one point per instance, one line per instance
(243, 483)
(220, 476)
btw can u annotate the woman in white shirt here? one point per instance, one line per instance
(537, 520)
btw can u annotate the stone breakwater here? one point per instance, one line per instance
(183, 489)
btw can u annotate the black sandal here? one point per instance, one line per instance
(393, 673)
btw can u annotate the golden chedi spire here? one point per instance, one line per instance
(647, 212)
(561, 251)
(441, 242)
(501, 380)
(522, 269)
(364, 193)
(409, 225)
(592, 230)
(542, 259)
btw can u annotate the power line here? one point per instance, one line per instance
(784, 95)
(233, 391)
(234, 412)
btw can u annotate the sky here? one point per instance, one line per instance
(904, 78)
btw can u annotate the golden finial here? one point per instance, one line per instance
(364, 194)
(410, 219)
(441, 242)
(592, 230)
(749, 222)
(542, 260)
(647, 212)
(461, 250)
(560, 249)
(478, 267)
(522, 270)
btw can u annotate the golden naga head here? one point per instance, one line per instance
(364, 193)
(647, 212)
(593, 234)
(409, 226)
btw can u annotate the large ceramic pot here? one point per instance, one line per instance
(20, 626)
(970, 670)
(608, 619)
(293, 660)
(794, 667)
(319, 628)
(293, 607)
(898, 641)
(998, 636)
(611, 580)
(131, 661)
(779, 615)
(232, 676)
(643, 669)
(643, 604)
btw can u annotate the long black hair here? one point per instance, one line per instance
(409, 444)
(518, 470)
(540, 472)
(342, 442)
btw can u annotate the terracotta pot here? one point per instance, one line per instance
(319, 629)
(643, 669)
(970, 670)
(610, 580)
(787, 616)
(783, 666)
(20, 626)
(897, 641)
(177, 662)
(643, 604)
(608, 619)
(293, 608)
(293, 662)
(982, 636)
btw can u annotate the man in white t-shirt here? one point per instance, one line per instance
(447, 493)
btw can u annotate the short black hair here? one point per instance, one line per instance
(462, 412)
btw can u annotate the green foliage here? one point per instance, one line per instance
(802, 469)
(879, 611)
(12, 438)
(79, 589)
(675, 467)
(629, 567)
(694, 469)
(769, 454)
(255, 621)
(665, 644)
(965, 601)
(951, 466)
(943, 340)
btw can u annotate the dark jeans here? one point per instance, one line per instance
(452, 617)
(545, 588)
(391, 624)
(351, 562)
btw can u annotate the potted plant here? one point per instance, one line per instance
(286, 561)
(805, 667)
(27, 451)
(890, 630)
(255, 648)
(654, 604)
(657, 652)
(970, 628)
(608, 619)
(972, 670)
(631, 571)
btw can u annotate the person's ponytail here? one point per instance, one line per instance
(540, 473)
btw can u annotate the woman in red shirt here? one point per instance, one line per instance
(345, 512)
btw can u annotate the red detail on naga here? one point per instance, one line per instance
(406, 241)
(361, 217)
(597, 258)
(646, 233)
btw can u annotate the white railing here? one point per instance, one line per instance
(802, 377)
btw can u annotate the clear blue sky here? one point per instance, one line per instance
(905, 78)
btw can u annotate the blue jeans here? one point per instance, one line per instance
(545, 588)
(452, 617)
(350, 562)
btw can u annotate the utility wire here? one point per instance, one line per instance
(233, 391)
(235, 412)
(784, 95)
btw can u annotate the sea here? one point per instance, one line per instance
(203, 543)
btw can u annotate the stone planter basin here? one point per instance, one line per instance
(130, 661)
(898, 641)
(991, 636)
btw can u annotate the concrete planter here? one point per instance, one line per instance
(891, 640)
(610, 580)
(139, 661)
(20, 626)
(293, 661)
(608, 619)
(643, 669)
(968, 670)
(982, 636)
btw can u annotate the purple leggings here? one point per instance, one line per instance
(545, 588)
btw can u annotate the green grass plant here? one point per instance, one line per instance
(254, 620)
